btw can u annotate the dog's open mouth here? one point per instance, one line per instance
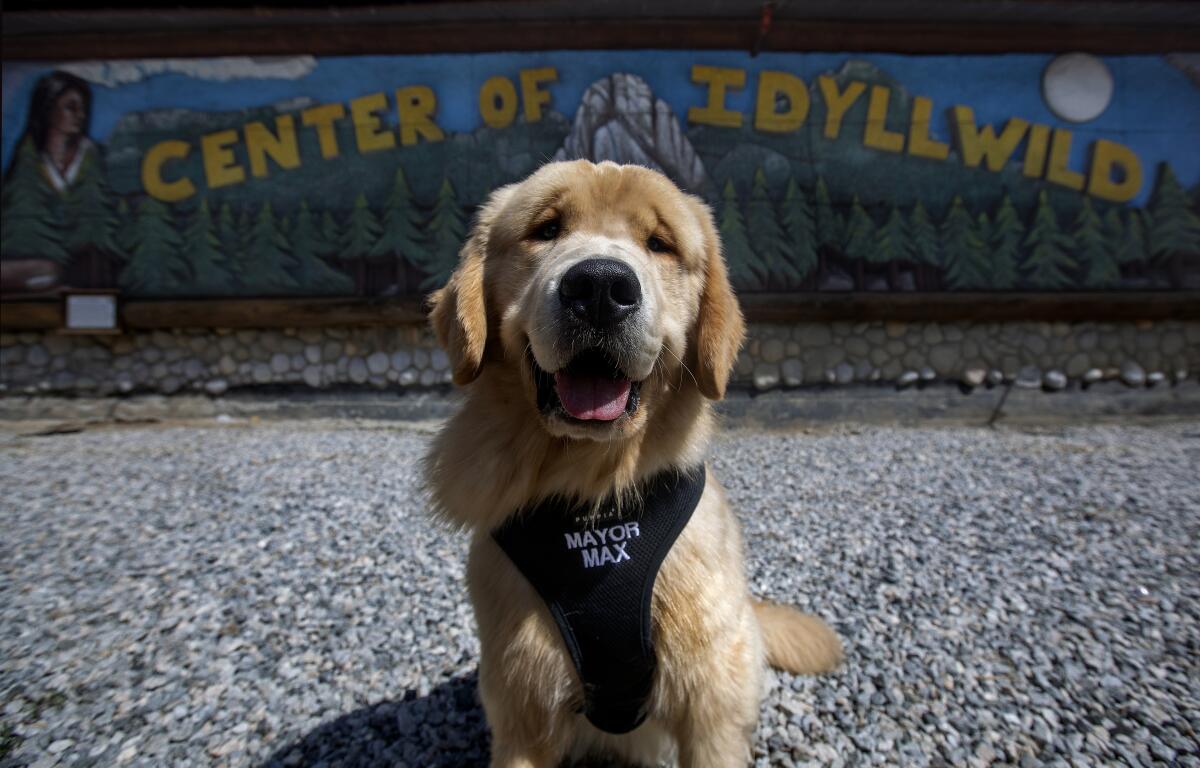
(592, 387)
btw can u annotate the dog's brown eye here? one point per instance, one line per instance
(549, 230)
(656, 245)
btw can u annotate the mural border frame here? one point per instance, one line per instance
(332, 39)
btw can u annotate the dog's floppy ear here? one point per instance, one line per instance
(719, 328)
(459, 311)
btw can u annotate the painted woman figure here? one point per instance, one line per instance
(53, 153)
(59, 114)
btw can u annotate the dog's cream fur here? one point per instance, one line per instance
(499, 453)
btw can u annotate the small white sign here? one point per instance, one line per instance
(91, 312)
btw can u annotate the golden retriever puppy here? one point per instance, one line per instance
(591, 323)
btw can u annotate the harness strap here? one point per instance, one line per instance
(596, 573)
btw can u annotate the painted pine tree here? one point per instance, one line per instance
(1114, 231)
(891, 240)
(243, 228)
(1131, 243)
(31, 229)
(227, 234)
(91, 222)
(268, 265)
(154, 267)
(745, 270)
(202, 254)
(125, 228)
(830, 227)
(799, 230)
(447, 229)
(1006, 235)
(1048, 264)
(312, 273)
(401, 234)
(924, 248)
(766, 237)
(1174, 228)
(963, 252)
(983, 232)
(331, 236)
(860, 239)
(1093, 250)
(359, 237)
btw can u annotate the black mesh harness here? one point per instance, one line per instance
(596, 573)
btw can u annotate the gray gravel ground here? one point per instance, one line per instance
(274, 595)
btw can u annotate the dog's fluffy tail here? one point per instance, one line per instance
(797, 642)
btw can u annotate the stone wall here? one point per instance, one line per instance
(216, 361)
(1033, 355)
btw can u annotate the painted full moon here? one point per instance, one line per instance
(1077, 87)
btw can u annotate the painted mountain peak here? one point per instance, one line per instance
(619, 119)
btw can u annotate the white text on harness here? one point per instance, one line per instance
(603, 545)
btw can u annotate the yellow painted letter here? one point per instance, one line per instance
(368, 128)
(770, 86)
(1035, 151)
(1060, 152)
(1106, 155)
(836, 104)
(280, 146)
(876, 135)
(498, 102)
(220, 166)
(533, 96)
(323, 118)
(920, 144)
(714, 112)
(152, 180)
(978, 144)
(416, 105)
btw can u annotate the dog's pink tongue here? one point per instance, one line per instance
(592, 397)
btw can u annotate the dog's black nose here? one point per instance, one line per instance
(602, 292)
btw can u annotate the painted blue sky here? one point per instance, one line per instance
(1155, 109)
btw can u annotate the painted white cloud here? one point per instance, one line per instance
(115, 73)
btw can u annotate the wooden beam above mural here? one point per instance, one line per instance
(327, 39)
(18, 316)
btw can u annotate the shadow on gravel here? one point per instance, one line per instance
(445, 729)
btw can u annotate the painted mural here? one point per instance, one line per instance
(244, 177)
